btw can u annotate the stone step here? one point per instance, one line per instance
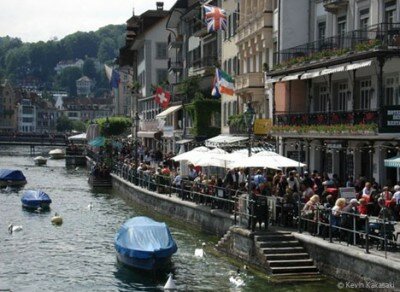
(298, 277)
(290, 263)
(286, 243)
(274, 237)
(287, 256)
(280, 250)
(294, 269)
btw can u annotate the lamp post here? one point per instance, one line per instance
(249, 116)
(136, 120)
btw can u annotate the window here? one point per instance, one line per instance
(162, 75)
(322, 99)
(341, 102)
(161, 50)
(391, 91)
(224, 113)
(365, 95)
(321, 30)
(341, 25)
(390, 11)
(364, 19)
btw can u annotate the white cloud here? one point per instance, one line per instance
(43, 19)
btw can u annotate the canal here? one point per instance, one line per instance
(80, 256)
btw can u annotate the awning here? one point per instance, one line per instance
(146, 134)
(224, 141)
(273, 80)
(78, 137)
(291, 77)
(183, 141)
(392, 162)
(311, 74)
(168, 111)
(334, 69)
(358, 65)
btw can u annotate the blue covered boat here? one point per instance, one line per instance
(34, 199)
(11, 177)
(144, 243)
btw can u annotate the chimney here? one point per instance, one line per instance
(160, 5)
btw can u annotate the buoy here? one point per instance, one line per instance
(12, 228)
(57, 220)
(170, 285)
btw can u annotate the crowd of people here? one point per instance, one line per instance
(293, 191)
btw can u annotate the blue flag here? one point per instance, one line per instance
(114, 82)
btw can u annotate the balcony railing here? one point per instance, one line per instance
(175, 42)
(203, 62)
(175, 66)
(323, 118)
(248, 80)
(381, 36)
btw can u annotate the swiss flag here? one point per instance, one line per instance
(162, 97)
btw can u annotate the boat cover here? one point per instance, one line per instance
(11, 174)
(142, 237)
(32, 197)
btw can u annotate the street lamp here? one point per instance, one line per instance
(249, 116)
(136, 120)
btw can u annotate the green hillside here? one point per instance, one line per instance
(33, 63)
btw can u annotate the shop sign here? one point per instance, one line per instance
(168, 131)
(262, 126)
(391, 119)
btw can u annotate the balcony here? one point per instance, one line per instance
(202, 66)
(175, 42)
(383, 36)
(249, 80)
(175, 66)
(333, 6)
(249, 28)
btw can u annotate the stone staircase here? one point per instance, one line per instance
(222, 243)
(285, 257)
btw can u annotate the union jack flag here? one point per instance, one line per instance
(215, 18)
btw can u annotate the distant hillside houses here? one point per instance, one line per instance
(69, 63)
(87, 109)
(84, 86)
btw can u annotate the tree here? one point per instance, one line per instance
(89, 68)
(106, 50)
(79, 126)
(114, 126)
(64, 124)
(17, 62)
(68, 79)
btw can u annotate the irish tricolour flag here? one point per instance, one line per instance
(224, 82)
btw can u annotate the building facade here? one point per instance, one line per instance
(335, 82)
(8, 108)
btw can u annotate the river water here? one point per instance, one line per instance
(79, 255)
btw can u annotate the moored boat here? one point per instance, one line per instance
(40, 160)
(57, 154)
(34, 199)
(144, 243)
(12, 178)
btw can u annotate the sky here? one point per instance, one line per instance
(42, 20)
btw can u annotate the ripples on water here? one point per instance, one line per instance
(79, 255)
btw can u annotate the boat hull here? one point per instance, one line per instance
(57, 156)
(11, 183)
(40, 161)
(36, 205)
(144, 264)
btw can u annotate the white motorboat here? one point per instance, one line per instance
(57, 154)
(40, 160)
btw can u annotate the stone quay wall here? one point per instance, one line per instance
(212, 221)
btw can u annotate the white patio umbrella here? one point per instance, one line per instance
(267, 159)
(191, 155)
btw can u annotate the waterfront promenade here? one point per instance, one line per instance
(345, 262)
